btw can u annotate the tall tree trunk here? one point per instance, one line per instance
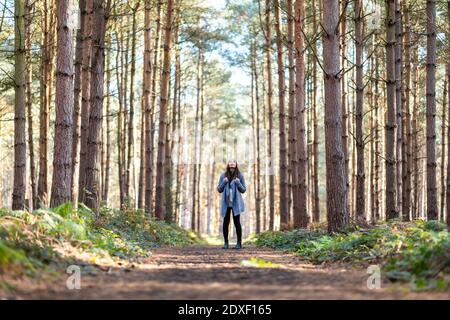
(196, 129)
(448, 131)
(293, 155)
(148, 66)
(268, 35)
(284, 209)
(377, 137)
(120, 164)
(337, 213)
(46, 89)
(62, 161)
(126, 36)
(20, 151)
(398, 101)
(443, 126)
(407, 136)
(432, 212)
(415, 131)
(150, 145)
(108, 125)
(131, 168)
(360, 172)
(344, 103)
(29, 78)
(171, 212)
(391, 172)
(85, 99)
(258, 146)
(316, 207)
(93, 191)
(165, 77)
(301, 218)
(77, 102)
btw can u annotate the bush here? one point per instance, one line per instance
(418, 252)
(31, 238)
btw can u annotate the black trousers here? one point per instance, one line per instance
(237, 224)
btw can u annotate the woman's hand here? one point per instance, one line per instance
(237, 179)
(225, 179)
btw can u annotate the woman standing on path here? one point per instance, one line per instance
(232, 182)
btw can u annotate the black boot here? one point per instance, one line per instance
(238, 245)
(225, 246)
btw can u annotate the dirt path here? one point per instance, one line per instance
(209, 272)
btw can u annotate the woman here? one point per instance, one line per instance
(233, 183)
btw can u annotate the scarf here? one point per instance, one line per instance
(229, 193)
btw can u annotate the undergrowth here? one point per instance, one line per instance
(417, 252)
(31, 240)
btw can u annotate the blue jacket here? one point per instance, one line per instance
(233, 186)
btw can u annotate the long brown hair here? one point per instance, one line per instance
(231, 175)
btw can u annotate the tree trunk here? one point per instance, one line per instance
(415, 130)
(448, 131)
(398, 101)
(20, 151)
(77, 103)
(93, 191)
(443, 126)
(301, 218)
(391, 172)
(85, 99)
(62, 161)
(337, 213)
(131, 168)
(29, 78)
(316, 207)
(271, 164)
(344, 103)
(360, 172)
(160, 182)
(407, 136)
(46, 89)
(432, 212)
(147, 106)
(107, 170)
(284, 209)
(293, 160)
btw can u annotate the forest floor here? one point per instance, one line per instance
(209, 272)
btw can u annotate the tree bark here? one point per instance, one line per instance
(93, 191)
(432, 212)
(20, 151)
(391, 172)
(29, 11)
(107, 171)
(160, 182)
(62, 161)
(448, 131)
(77, 103)
(337, 213)
(301, 218)
(398, 101)
(268, 35)
(85, 98)
(316, 207)
(284, 209)
(407, 136)
(47, 50)
(360, 172)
